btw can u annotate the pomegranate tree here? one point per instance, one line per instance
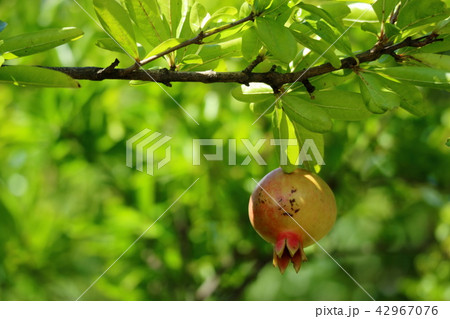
(291, 211)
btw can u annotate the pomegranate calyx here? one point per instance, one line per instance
(294, 252)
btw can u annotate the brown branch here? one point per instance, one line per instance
(272, 78)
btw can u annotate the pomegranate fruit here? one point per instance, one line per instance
(291, 211)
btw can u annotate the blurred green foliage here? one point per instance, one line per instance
(69, 206)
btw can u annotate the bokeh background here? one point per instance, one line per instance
(69, 206)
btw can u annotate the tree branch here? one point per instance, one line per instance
(274, 79)
(196, 40)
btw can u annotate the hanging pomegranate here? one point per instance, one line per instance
(292, 211)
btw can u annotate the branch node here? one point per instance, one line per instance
(248, 70)
(110, 68)
(276, 89)
(309, 88)
(397, 57)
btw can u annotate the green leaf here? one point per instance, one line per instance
(420, 76)
(304, 136)
(278, 40)
(192, 59)
(108, 44)
(213, 55)
(448, 142)
(250, 44)
(391, 31)
(322, 14)
(334, 38)
(377, 95)
(2, 60)
(370, 27)
(330, 81)
(383, 8)
(442, 27)
(411, 99)
(306, 114)
(435, 61)
(255, 92)
(284, 134)
(170, 43)
(319, 47)
(2, 25)
(117, 24)
(336, 9)
(184, 29)
(222, 16)
(171, 9)
(198, 18)
(245, 10)
(150, 20)
(263, 108)
(340, 105)
(261, 5)
(35, 76)
(35, 42)
(418, 12)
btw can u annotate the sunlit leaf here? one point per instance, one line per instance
(170, 43)
(199, 16)
(222, 16)
(117, 24)
(192, 59)
(35, 42)
(35, 76)
(172, 10)
(360, 13)
(150, 20)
